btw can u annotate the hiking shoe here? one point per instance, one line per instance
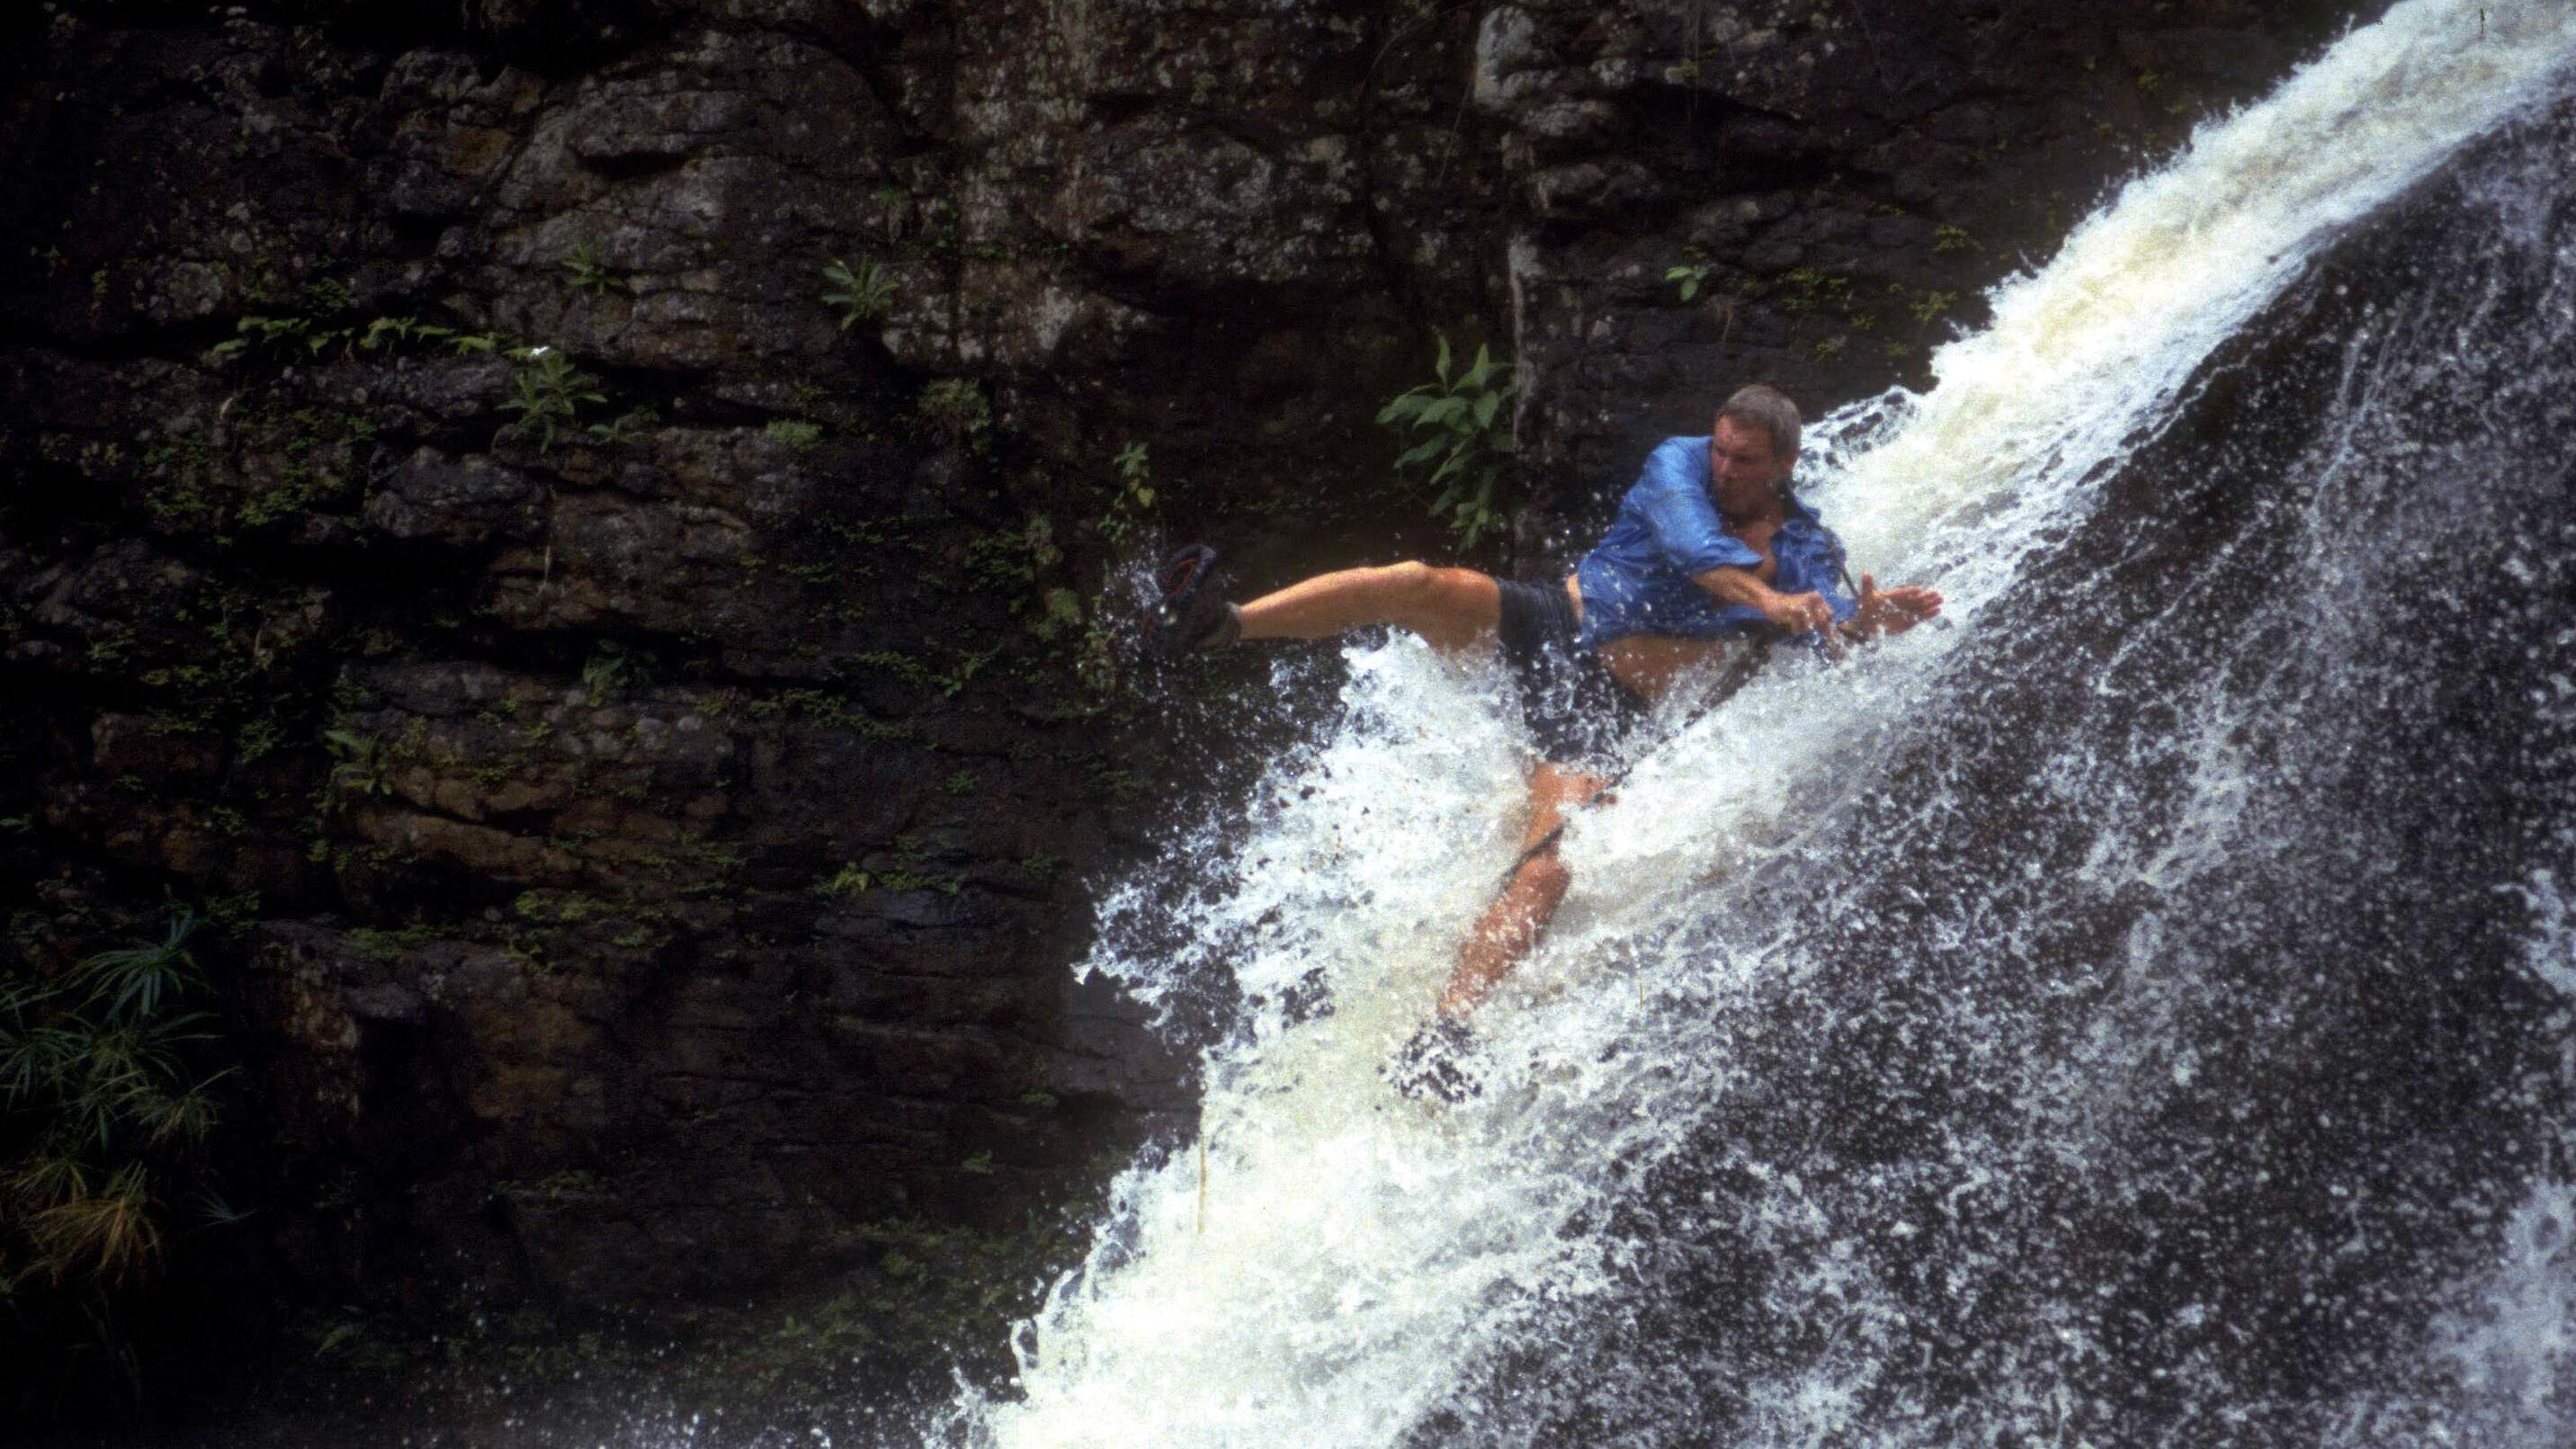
(1433, 1063)
(1189, 614)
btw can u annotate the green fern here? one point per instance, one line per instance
(102, 1098)
(865, 292)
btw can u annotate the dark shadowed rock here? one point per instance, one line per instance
(461, 502)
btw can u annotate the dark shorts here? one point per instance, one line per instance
(1577, 713)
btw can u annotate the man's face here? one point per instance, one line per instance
(1743, 475)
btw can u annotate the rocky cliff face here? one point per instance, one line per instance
(649, 785)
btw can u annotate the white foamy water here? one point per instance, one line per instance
(1328, 1264)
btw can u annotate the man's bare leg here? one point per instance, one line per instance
(1451, 608)
(1511, 924)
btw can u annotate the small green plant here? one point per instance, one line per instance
(1804, 289)
(794, 434)
(589, 272)
(1059, 609)
(570, 1182)
(325, 295)
(954, 410)
(1469, 447)
(1952, 239)
(359, 764)
(313, 338)
(1689, 278)
(849, 880)
(274, 331)
(864, 292)
(550, 392)
(1134, 494)
(1931, 305)
(389, 332)
(621, 430)
(605, 675)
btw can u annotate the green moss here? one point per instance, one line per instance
(794, 434)
(557, 907)
(388, 945)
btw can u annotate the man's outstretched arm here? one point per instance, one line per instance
(1796, 613)
(1880, 612)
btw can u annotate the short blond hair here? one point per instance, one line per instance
(1769, 409)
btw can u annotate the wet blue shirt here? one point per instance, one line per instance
(1639, 580)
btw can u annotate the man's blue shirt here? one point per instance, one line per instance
(1639, 580)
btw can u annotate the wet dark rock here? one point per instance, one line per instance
(460, 502)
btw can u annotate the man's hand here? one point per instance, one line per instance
(1798, 613)
(1890, 612)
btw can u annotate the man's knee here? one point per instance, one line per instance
(1411, 582)
(1555, 788)
(1452, 608)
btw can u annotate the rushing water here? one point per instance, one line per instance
(2136, 1010)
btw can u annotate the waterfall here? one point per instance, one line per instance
(2134, 1010)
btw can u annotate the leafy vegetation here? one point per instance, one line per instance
(311, 336)
(621, 430)
(1689, 278)
(850, 880)
(549, 394)
(862, 293)
(1804, 289)
(954, 410)
(359, 765)
(606, 675)
(1467, 452)
(588, 270)
(106, 1106)
(1132, 496)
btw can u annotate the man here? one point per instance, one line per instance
(1711, 558)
